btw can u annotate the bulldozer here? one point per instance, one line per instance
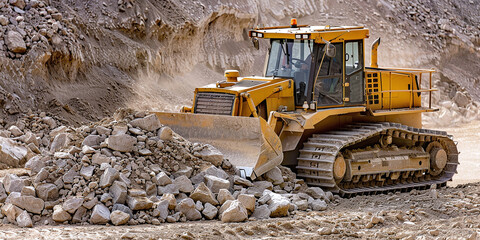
(340, 125)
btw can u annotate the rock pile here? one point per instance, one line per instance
(25, 25)
(26, 138)
(133, 170)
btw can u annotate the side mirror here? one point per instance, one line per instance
(255, 43)
(330, 50)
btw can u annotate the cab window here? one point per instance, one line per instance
(291, 59)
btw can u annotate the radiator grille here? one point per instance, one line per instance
(214, 103)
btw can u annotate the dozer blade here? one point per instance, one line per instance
(247, 142)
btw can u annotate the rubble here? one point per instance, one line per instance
(172, 203)
(209, 211)
(11, 212)
(187, 207)
(318, 205)
(15, 42)
(248, 201)
(274, 176)
(139, 203)
(24, 220)
(224, 195)
(242, 181)
(47, 191)
(100, 214)
(316, 193)
(119, 218)
(165, 134)
(149, 123)
(13, 154)
(13, 183)
(119, 192)
(210, 154)
(233, 211)
(121, 142)
(162, 179)
(278, 204)
(71, 205)
(122, 172)
(108, 176)
(162, 208)
(29, 203)
(204, 195)
(60, 215)
(216, 183)
(261, 212)
(183, 184)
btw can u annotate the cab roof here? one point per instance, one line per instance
(317, 33)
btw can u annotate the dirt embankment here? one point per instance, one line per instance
(82, 60)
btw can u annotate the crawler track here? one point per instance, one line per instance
(316, 159)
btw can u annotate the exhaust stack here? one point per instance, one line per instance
(374, 62)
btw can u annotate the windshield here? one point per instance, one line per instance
(291, 59)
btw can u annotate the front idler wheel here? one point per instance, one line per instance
(438, 158)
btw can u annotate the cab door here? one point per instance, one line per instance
(354, 89)
(328, 89)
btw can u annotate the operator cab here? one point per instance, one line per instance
(326, 64)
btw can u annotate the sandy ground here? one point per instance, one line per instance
(447, 213)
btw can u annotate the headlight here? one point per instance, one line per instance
(254, 34)
(302, 36)
(260, 35)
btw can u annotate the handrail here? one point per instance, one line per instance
(430, 94)
(415, 91)
(401, 69)
(410, 100)
(390, 95)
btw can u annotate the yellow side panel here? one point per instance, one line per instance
(274, 102)
(391, 90)
(260, 94)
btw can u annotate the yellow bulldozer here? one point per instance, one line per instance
(342, 126)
